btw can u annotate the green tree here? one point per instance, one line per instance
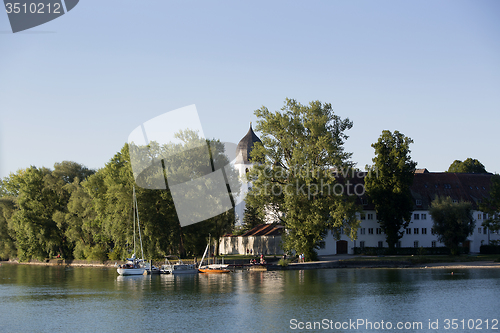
(294, 182)
(41, 197)
(388, 184)
(452, 222)
(468, 166)
(7, 234)
(491, 205)
(251, 218)
(37, 235)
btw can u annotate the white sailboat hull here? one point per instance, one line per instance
(131, 271)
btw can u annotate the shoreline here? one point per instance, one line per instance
(64, 262)
(366, 264)
(326, 264)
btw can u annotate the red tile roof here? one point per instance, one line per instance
(265, 230)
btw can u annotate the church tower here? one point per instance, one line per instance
(243, 163)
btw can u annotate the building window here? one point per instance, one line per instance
(424, 216)
(380, 244)
(416, 216)
(369, 216)
(485, 231)
(362, 244)
(479, 230)
(433, 244)
(363, 216)
(424, 231)
(432, 231)
(415, 231)
(364, 202)
(362, 231)
(418, 202)
(408, 231)
(370, 231)
(479, 216)
(379, 231)
(341, 231)
(485, 216)
(415, 244)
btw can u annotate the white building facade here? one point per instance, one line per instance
(460, 187)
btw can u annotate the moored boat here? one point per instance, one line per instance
(212, 268)
(178, 268)
(134, 266)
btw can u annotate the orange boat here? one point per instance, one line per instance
(213, 270)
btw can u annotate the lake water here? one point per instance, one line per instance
(73, 299)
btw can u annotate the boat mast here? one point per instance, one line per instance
(138, 225)
(204, 254)
(133, 213)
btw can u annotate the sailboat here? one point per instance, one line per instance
(134, 266)
(212, 268)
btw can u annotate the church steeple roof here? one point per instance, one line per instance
(245, 146)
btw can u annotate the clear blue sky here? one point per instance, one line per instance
(74, 88)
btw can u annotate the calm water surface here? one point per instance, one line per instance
(59, 299)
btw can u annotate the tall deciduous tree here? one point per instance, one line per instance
(452, 222)
(301, 145)
(470, 165)
(388, 184)
(491, 205)
(37, 235)
(7, 235)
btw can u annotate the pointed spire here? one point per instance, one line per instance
(245, 146)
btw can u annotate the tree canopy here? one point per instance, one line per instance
(388, 184)
(468, 166)
(453, 222)
(301, 145)
(491, 205)
(83, 214)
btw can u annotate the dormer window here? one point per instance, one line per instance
(418, 202)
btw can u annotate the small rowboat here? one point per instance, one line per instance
(213, 270)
